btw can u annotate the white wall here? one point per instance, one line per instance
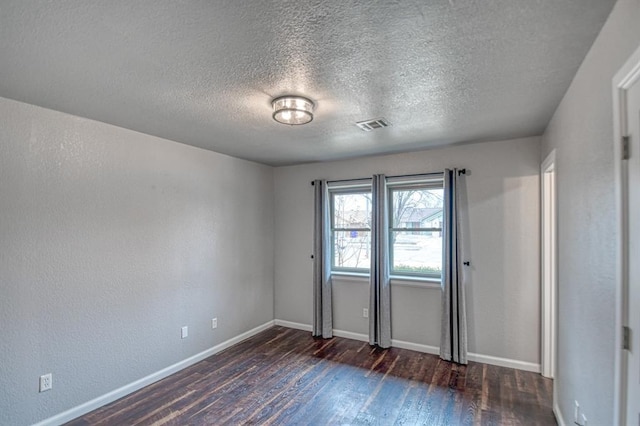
(111, 240)
(503, 217)
(581, 130)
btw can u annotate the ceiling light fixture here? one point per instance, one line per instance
(292, 110)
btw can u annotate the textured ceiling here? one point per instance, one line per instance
(204, 72)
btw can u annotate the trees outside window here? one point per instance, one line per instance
(415, 228)
(351, 230)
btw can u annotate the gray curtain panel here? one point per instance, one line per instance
(453, 337)
(322, 310)
(380, 291)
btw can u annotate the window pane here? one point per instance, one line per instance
(417, 208)
(417, 252)
(351, 249)
(352, 210)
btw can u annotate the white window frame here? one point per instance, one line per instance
(400, 184)
(361, 275)
(361, 186)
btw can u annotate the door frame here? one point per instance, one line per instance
(548, 264)
(628, 74)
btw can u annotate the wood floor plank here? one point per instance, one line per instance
(285, 377)
(334, 379)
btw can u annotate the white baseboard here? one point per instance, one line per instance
(558, 414)
(351, 335)
(337, 333)
(504, 362)
(486, 359)
(556, 405)
(107, 398)
(418, 347)
(295, 325)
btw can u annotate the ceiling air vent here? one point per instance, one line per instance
(370, 125)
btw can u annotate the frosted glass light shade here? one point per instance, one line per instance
(292, 110)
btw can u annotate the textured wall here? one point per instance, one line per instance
(111, 240)
(582, 131)
(503, 287)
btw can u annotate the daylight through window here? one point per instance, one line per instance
(415, 227)
(351, 229)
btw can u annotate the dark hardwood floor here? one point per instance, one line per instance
(285, 377)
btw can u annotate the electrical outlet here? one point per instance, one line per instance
(184, 332)
(214, 323)
(46, 382)
(365, 312)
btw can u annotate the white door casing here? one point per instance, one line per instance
(627, 126)
(549, 272)
(633, 255)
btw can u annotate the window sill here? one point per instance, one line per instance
(350, 276)
(395, 280)
(415, 282)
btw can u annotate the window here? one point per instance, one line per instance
(351, 229)
(415, 228)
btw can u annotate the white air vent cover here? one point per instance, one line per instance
(370, 125)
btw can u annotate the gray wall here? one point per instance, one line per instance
(503, 218)
(111, 240)
(581, 131)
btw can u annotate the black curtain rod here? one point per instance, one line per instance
(343, 180)
(460, 172)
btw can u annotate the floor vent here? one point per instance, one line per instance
(370, 125)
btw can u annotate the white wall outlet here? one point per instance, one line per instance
(365, 312)
(46, 382)
(184, 331)
(576, 412)
(214, 323)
